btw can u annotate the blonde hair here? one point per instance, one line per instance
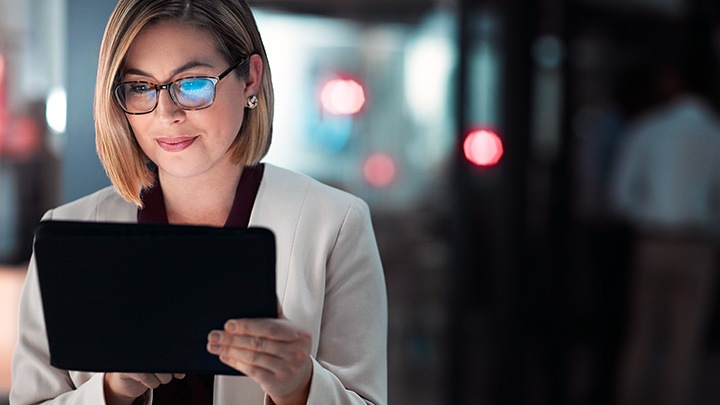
(232, 25)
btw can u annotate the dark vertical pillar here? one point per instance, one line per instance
(457, 378)
(489, 275)
(510, 316)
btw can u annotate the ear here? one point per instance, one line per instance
(252, 83)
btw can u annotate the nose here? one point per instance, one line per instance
(166, 108)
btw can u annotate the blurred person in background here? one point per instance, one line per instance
(666, 184)
(183, 112)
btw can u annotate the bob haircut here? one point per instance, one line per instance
(233, 27)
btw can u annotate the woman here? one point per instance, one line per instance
(184, 88)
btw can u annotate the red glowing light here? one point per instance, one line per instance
(342, 96)
(483, 147)
(4, 113)
(379, 170)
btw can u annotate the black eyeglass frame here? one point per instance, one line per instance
(214, 79)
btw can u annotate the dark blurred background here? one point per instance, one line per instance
(486, 136)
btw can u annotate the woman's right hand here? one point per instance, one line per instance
(124, 388)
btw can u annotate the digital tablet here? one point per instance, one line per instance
(120, 297)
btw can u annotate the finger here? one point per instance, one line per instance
(164, 378)
(250, 344)
(252, 361)
(147, 379)
(275, 356)
(179, 376)
(281, 330)
(256, 373)
(282, 349)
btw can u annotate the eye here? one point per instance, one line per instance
(194, 85)
(195, 92)
(139, 88)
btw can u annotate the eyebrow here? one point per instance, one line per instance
(190, 65)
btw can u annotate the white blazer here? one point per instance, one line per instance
(329, 281)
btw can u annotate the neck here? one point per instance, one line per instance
(201, 200)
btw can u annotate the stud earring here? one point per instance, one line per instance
(252, 102)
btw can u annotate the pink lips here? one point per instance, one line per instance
(176, 144)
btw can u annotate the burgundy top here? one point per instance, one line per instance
(196, 388)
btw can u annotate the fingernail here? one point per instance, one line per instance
(214, 337)
(213, 348)
(230, 326)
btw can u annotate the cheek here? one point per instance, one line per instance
(138, 128)
(229, 119)
(135, 125)
(231, 104)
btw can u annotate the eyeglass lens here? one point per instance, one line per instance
(190, 93)
(194, 93)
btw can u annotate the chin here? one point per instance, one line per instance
(181, 170)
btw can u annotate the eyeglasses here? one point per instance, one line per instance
(188, 93)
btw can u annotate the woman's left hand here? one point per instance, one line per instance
(273, 352)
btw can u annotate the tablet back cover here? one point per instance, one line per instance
(143, 297)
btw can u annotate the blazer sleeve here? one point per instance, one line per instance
(351, 362)
(34, 380)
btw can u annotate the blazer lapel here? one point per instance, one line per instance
(277, 207)
(115, 209)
